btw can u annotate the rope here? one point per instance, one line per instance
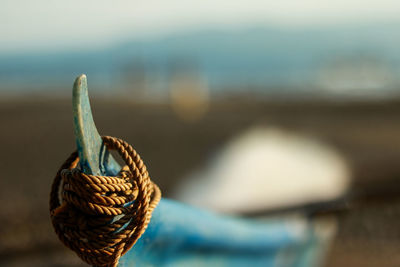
(101, 217)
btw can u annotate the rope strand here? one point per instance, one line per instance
(82, 206)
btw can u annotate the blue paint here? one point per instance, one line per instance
(94, 157)
(180, 235)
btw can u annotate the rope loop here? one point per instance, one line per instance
(102, 217)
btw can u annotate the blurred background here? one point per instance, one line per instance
(302, 98)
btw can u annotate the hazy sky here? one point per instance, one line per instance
(73, 24)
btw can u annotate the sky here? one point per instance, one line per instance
(27, 25)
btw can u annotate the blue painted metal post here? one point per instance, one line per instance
(180, 235)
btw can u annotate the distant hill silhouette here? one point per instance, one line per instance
(246, 58)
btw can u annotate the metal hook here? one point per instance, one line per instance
(94, 158)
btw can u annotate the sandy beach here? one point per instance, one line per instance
(37, 135)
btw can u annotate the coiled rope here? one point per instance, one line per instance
(100, 217)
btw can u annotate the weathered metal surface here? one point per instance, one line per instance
(94, 157)
(180, 235)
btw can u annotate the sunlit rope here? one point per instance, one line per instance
(100, 217)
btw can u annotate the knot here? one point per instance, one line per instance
(102, 217)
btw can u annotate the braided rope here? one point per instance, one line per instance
(84, 219)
